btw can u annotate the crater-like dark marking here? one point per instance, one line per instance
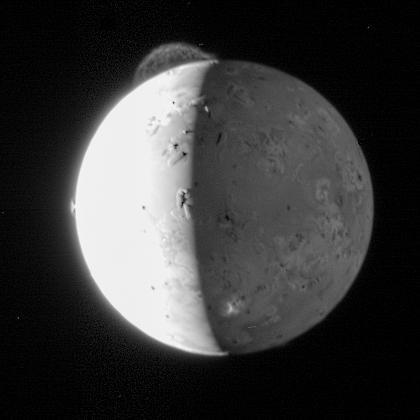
(339, 200)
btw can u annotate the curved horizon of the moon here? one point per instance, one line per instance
(154, 182)
(118, 238)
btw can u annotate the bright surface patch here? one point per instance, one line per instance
(119, 185)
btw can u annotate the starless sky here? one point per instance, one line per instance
(65, 352)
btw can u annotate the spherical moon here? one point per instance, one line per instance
(224, 207)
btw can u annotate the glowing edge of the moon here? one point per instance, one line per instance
(108, 190)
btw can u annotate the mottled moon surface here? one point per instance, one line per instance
(224, 207)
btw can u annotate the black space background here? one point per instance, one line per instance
(64, 351)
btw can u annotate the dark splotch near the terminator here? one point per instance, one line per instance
(167, 56)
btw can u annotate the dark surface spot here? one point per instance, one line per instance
(339, 200)
(261, 287)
